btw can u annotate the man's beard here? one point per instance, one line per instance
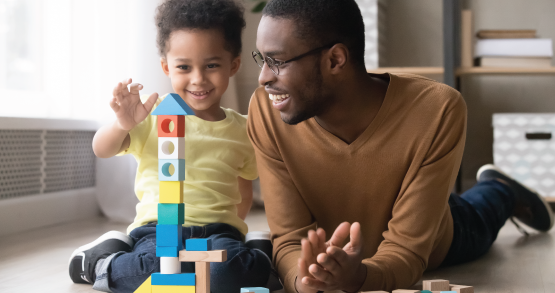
(312, 99)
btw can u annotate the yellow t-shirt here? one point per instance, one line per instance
(216, 153)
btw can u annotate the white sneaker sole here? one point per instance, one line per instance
(108, 235)
(545, 203)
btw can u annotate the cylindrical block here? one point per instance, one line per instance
(170, 265)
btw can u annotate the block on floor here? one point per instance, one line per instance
(435, 285)
(145, 287)
(198, 244)
(172, 289)
(202, 272)
(405, 291)
(184, 279)
(255, 290)
(461, 288)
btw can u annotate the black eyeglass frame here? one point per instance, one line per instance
(277, 64)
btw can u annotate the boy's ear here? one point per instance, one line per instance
(235, 64)
(164, 64)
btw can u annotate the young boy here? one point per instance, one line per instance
(199, 43)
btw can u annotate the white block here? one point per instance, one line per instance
(171, 148)
(170, 265)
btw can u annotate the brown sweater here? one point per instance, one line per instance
(394, 179)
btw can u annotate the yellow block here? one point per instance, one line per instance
(172, 289)
(145, 287)
(171, 191)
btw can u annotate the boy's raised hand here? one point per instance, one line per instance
(127, 104)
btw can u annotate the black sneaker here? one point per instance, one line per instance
(260, 240)
(530, 207)
(83, 260)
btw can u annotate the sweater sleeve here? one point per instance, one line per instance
(289, 218)
(420, 207)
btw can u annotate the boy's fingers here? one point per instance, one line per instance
(314, 243)
(322, 235)
(135, 87)
(117, 92)
(114, 105)
(151, 101)
(337, 254)
(356, 237)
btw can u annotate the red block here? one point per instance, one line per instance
(164, 126)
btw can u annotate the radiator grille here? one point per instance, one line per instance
(41, 161)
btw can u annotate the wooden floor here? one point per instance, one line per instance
(37, 261)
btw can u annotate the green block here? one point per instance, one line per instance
(171, 213)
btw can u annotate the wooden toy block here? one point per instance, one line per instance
(171, 192)
(173, 280)
(171, 148)
(169, 235)
(202, 271)
(164, 172)
(435, 285)
(165, 129)
(145, 287)
(173, 104)
(171, 214)
(172, 289)
(167, 251)
(194, 244)
(426, 291)
(170, 265)
(374, 292)
(255, 290)
(203, 256)
(406, 291)
(461, 288)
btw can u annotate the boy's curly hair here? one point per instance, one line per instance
(224, 15)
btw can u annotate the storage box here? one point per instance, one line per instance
(524, 148)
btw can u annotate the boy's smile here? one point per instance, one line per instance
(199, 67)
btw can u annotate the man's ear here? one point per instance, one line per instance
(235, 64)
(338, 57)
(165, 67)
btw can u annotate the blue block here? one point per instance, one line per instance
(173, 279)
(255, 290)
(164, 170)
(198, 244)
(169, 235)
(173, 104)
(171, 214)
(167, 251)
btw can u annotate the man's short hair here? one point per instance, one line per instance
(223, 15)
(321, 22)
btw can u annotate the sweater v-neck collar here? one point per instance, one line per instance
(370, 129)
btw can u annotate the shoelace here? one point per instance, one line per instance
(520, 229)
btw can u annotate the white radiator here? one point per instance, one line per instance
(47, 173)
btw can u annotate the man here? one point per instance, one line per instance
(379, 151)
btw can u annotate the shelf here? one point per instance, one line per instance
(413, 70)
(503, 70)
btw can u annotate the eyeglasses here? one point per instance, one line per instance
(274, 65)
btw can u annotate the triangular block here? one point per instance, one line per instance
(146, 287)
(173, 104)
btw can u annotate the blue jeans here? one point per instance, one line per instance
(478, 215)
(244, 267)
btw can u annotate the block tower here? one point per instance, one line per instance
(171, 114)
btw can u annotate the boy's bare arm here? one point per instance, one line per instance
(130, 111)
(245, 188)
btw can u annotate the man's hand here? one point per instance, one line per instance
(127, 104)
(333, 268)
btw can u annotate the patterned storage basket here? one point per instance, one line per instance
(524, 148)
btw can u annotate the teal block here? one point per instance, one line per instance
(173, 104)
(448, 292)
(164, 172)
(186, 279)
(169, 235)
(425, 291)
(255, 290)
(167, 251)
(171, 214)
(202, 244)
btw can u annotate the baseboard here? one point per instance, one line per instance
(30, 212)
